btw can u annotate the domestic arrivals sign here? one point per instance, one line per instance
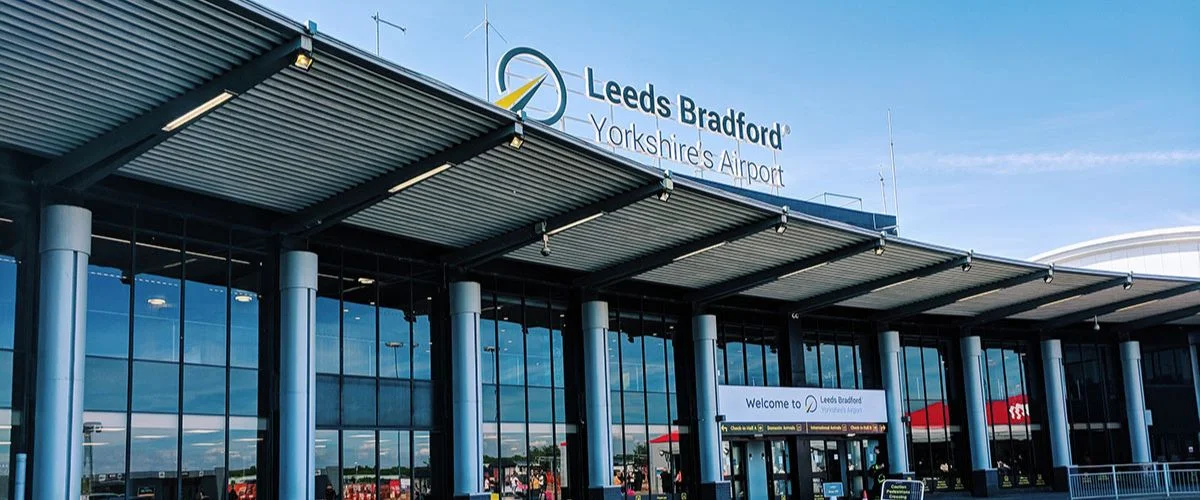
(798, 410)
(646, 99)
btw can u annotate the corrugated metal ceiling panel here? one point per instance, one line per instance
(273, 146)
(496, 192)
(953, 280)
(1018, 294)
(1194, 320)
(645, 228)
(1147, 309)
(75, 70)
(848, 272)
(748, 255)
(1114, 294)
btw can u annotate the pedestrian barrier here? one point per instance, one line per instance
(1159, 480)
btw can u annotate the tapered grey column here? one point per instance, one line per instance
(893, 384)
(466, 423)
(984, 480)
(64, 248)
(704, 337)
(1135, 402)
(596, 387)
(297, 374)
(1056, 408)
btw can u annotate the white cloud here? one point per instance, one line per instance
(1024, 163)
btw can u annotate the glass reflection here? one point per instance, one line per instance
(103, 453)
(203, 455)
(154, 455)
(358, 464)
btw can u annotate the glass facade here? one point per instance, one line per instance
(641, 363)
(8, 324)
(929, 395)
(1167, 378)
(524, 421)
(1095, 404)
(374, 396)
(171, 400)
(1015, 431)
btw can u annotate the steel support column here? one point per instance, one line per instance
(64, 247)
(466, 389)
(1056, 408)
(889, 356)
(1135, 402)
(297, 373)
(704, 337)
(598, 411)
(984, 479)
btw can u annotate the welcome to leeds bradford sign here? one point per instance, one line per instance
(798, 410)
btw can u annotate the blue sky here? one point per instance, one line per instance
(1019, 126)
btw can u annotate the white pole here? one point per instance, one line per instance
(892, 153)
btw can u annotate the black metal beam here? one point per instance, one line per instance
(833, 297)
(1000, 313)
(921, 306)
(628, 269)
(89, 163)
(1157, 319)
(321, 215)
(501, 245)
(1086, 314)
(740, 284)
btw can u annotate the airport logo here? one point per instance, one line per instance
(516, 99)
(518, 90)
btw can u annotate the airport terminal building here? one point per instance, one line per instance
(240, 259)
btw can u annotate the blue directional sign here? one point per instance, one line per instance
(833, 490)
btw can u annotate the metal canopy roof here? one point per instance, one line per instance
(298, 138)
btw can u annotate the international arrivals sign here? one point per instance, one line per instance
(797, 410)
(645, 99)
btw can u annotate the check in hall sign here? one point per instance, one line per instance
(799, 410)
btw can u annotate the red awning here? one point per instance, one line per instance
(666, 438)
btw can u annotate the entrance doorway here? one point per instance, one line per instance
(844, 460)
(758, 469)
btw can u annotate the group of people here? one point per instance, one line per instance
(536, 485)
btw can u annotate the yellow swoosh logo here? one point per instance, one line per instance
(519, 96)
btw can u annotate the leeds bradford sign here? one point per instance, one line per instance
(728, 122)
(800, 410)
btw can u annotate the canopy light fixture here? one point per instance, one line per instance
(882, 245)
(668, 185)
(1096, 323)
(1049, 275)
(798, 271)
(700, 251)
(783, 221)
(967, 265)
(885, 287)
(199, 111)
(425, 175)
(978, 295)
(366, 281)
(570, 225)
(1135, 306)
(1128, 281)
(545, 245)
(304, 60)
(517, 141)
(156, 301)
(243, 298)
(1060, 301)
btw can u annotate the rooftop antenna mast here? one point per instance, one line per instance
(488, 28)
(379, 20)
(883, 188)
(892, 153)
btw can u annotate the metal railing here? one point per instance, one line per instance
(1160, 480)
